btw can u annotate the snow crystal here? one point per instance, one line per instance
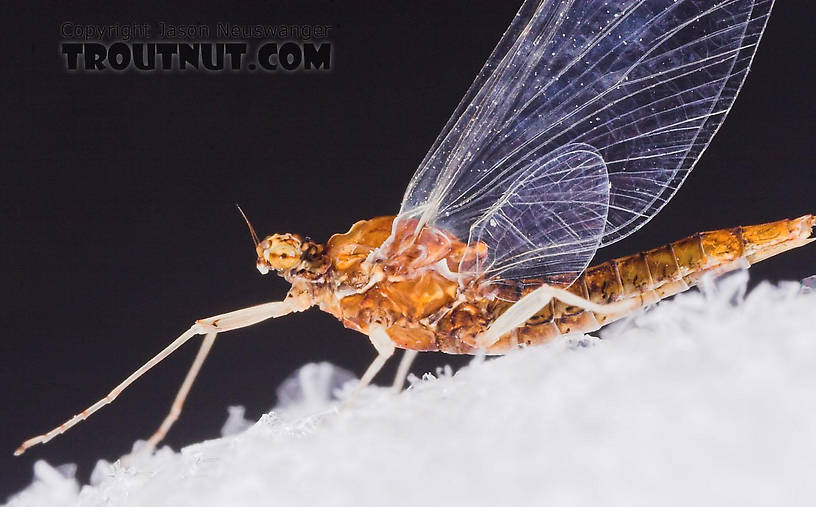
(705, 399)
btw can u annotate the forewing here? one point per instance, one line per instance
(645, 83)
(527, 235)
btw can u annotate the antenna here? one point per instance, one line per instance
(251, 230)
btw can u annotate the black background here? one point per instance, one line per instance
(117, 199)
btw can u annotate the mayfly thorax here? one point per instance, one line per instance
(581, 126)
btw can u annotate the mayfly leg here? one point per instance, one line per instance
(533, 302)
(209, 326)
(181, 396)
(385, 349)
(402, 371)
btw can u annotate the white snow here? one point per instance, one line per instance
(709, 399)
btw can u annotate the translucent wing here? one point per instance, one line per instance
(645, 83)
(557, 236)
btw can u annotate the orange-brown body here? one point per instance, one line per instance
(408, 287)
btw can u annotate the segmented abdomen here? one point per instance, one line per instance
(655, 274)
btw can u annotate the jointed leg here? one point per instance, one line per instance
(533, 302)
(404, 367)
(385, 349)
(178, 403)
(219, 323)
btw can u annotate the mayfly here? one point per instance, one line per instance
(581, 126)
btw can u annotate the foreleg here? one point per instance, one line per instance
(210, 326)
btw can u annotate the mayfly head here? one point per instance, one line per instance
(280, 252)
